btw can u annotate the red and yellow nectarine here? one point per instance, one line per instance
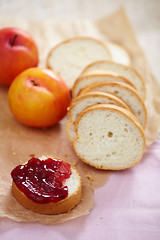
(38, 97)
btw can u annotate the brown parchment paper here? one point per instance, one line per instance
(18, 143)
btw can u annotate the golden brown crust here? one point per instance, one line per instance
(66, 130)
(124, 66)
(123, 111)
(109, 75)
(74, 38)
(122, 85)
(62, 206)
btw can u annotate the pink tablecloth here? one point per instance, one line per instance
(127, 207)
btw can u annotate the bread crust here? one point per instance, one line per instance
(51, 208)
(110, 96)
(66, 130)
(123, 111)
(108, 75)
(72, 39)
(118, 64)
(122, 85)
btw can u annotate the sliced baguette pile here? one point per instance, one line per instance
(107, 116)
(85, 100)
(84, 81)
(127, 72)
(70, 57)
(127, 93)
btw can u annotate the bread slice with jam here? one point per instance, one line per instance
(47, 185)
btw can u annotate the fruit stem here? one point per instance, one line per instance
(14, 38)
(34, 83)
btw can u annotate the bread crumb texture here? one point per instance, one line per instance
(107, 139)
(69, 58)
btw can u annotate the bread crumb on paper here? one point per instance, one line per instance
(13, 153)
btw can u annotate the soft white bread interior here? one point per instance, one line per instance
(88, 79)
(85, 100)
(118, 53)
(123, 70)
(90, 98)
(128, 94)
(69, 58)
(108, 137)
(74, 196)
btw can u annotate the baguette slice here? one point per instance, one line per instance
(74, 196)
(109, 137)
(89, 79)
(128, 94)
(125, 71)
(85, 100)
(119, 54)
(70, 57)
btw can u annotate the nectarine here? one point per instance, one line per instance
(38, 97)
(18, 52)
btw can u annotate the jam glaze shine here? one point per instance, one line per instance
(43, 181)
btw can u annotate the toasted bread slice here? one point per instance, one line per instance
(85, 100)
(125, 71)
(73, 183)
(70, 57)
(128, 94)
(108, 137)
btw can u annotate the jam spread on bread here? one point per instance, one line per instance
(42, 180)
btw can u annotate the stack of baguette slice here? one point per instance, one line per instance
(85, 100)
(107, 116)
(128, 94)
(125, 71)
(70, 57)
